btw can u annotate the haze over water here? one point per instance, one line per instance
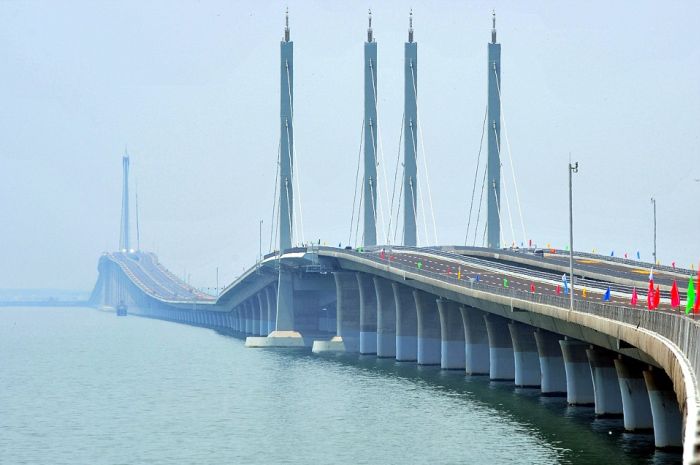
(79, 386)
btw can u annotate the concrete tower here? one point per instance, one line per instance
(494, 140)
(410, 188)
(371, 134)
(286, 138)
(124, 243)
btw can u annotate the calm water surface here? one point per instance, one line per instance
(79, 386)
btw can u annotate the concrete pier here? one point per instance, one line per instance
(551, 363)
(428, 328)
(452, 348)
(579, 383)
(665, 413)
(406, 324)
(248, 318)
(606, 388)
(476, 341)
(258, 322)
(526, 358)
(368, 314)
(347, 338)
(386, 318)
(271, 297)
(262, 304)
(635, 398)
(501, 360)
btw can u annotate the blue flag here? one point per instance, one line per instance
(477, 278)
(612, 254)
(638, 256)
(566, 284)
(606, 296)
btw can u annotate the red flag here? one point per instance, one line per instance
(634, 297)
(532, 287)
(558, 289)
(657, 297)
(650, 293)
(382, 255)
(675, 297)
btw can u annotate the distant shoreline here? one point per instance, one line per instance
(45, 303)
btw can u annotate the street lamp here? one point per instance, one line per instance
(260, 243)
(573, 168)
(653, 202)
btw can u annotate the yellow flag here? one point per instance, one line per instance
(459, 273)
(584, 292)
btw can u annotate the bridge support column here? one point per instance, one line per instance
(665, 413)
(526, 358)
(501, 361)
(347, 338)
(635, 398)
(271, 297)
(368, 314)
(255, 315)
(249, 325)
(476, 341)
(406, 324)
(240, 322)
(386, 318)
(428, 329)
(551, 363)
(606, 387)
(284, 334)
(261, 302)
(579, 383)
(452, 348)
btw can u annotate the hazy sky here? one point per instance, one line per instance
(192, 87)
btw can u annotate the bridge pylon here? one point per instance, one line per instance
(410, 188)
(371, 134)
(124, 242)
(284, 333)
(494, 141)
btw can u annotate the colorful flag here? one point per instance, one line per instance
(612, 253)
(691, 296)
(638, 256)
(606, 296)
(675, 296)
(657, 297)
(583, 293)
(532, 287)
(558, 290)
(633, 301)
(419, 265)
(505, 282)
(478, 278)
(566, 284)
(382, 255)
(459, 273)
(650, 293)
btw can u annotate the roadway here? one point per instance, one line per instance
(146, 272)
(518, 277)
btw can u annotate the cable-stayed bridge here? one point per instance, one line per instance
(514, 315)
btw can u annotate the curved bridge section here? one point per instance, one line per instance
(462, 310)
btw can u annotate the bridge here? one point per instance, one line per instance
(516, 314)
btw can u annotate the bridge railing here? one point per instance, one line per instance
(684, 331)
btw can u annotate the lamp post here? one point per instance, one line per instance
(573, 168)
(653, 203)
(260, 242)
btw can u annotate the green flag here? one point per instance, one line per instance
(691, 296)
(505, 282)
